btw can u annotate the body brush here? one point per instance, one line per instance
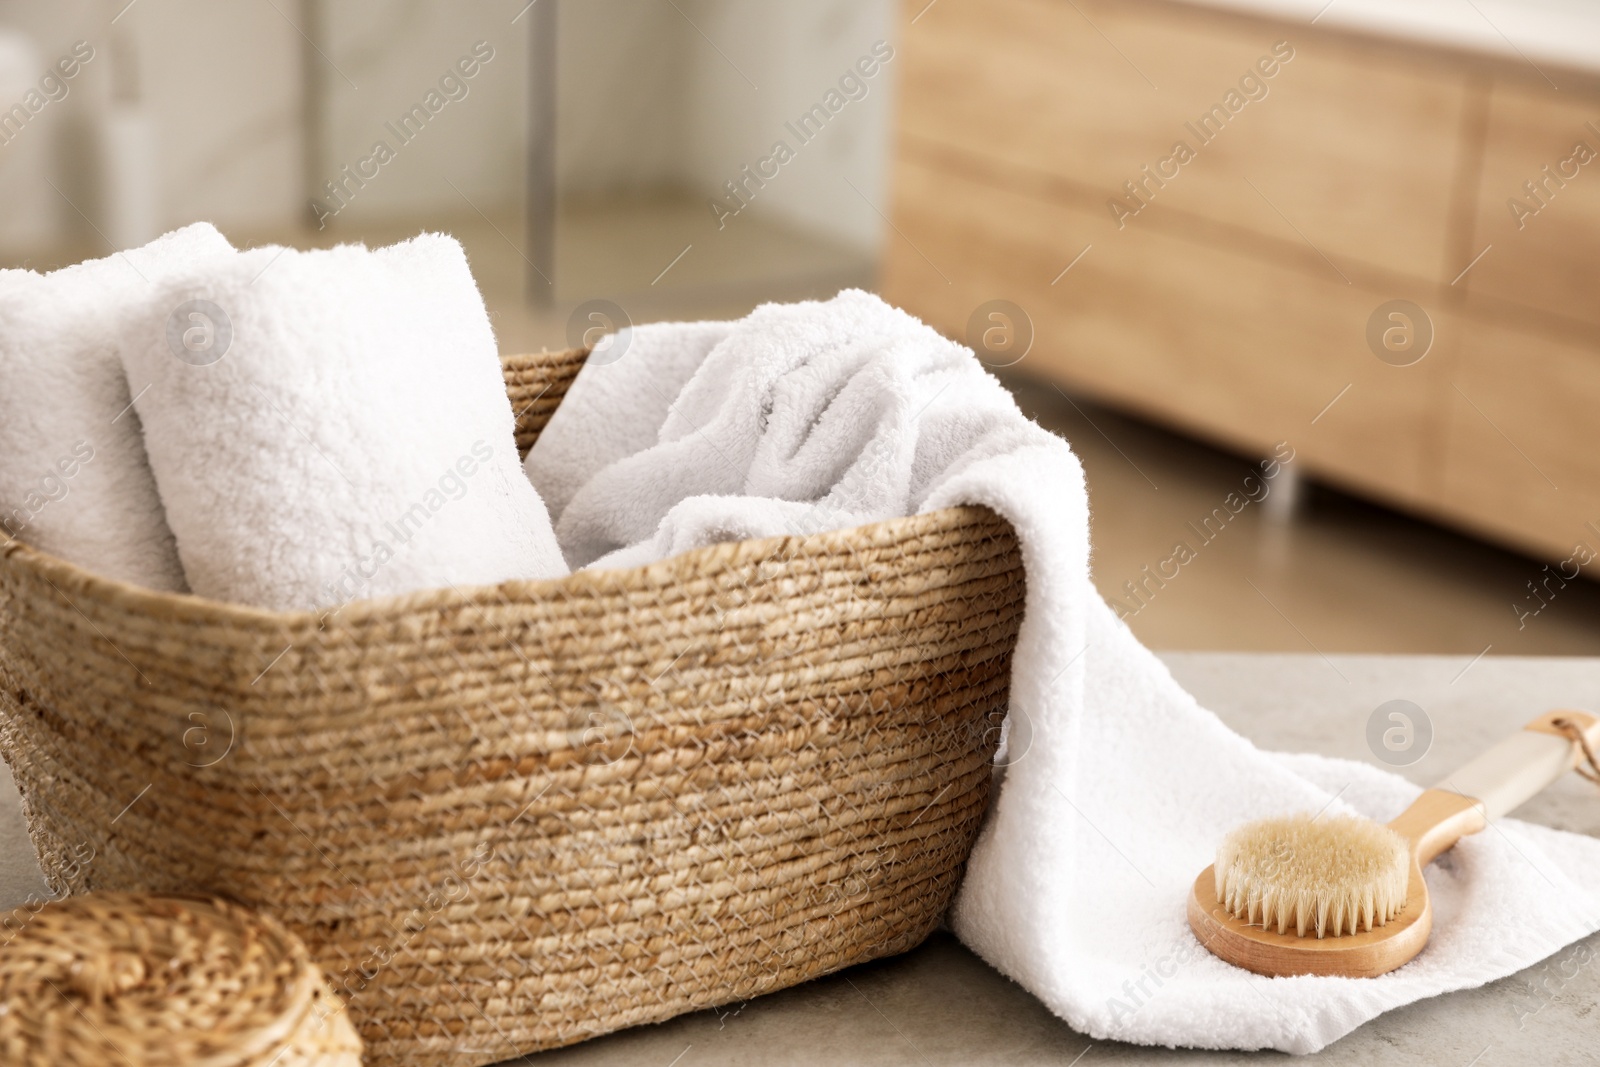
(1342, 895)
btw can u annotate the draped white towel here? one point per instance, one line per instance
(1118, 785)
(585, 437)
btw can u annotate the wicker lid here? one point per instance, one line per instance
(125, 978)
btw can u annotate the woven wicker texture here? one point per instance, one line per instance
(140, 981)
(512, 818)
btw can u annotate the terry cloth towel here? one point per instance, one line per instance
(1117, 785)
(74, 479)
(332, 425)
(586, 437)
(797, 420)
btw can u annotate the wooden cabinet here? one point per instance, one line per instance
(1538, 202)
(1520, 456)
(1233, 297)
(1330, 145)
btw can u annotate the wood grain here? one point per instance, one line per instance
(1346, 150)
(1364, 955)
(1546, 254)
(1522, 441)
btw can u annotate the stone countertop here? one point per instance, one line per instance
(1562, 33)
(939, 1004)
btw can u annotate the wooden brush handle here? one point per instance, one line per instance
(1523, 764)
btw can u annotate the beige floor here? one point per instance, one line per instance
(1342, 577)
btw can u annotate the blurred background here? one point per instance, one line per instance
(1310, 286)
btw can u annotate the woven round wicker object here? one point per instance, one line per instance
(140, 981)
(511, 818)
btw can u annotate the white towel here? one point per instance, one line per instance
(639, 370)
(1118, 785)
(74, 479)
(1078, 884)
(335, 427)
(805, 417)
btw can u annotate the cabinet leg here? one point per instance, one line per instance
(1287, 501)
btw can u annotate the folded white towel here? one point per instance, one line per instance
(1118, 785)
(336, 427)
(586, 436)
(74, 479)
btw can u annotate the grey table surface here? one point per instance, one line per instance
(939, 1004)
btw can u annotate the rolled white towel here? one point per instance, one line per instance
(335, 427)
(74, 478)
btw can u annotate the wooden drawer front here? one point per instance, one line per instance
(1546, 255)
(1238, 350)
(1522, 444)
(1351, 151)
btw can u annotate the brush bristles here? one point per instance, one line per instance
(1334, 875)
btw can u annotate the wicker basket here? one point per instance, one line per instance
(511, 818)
(139, 981)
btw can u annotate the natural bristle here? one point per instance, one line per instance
(1337, 874)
